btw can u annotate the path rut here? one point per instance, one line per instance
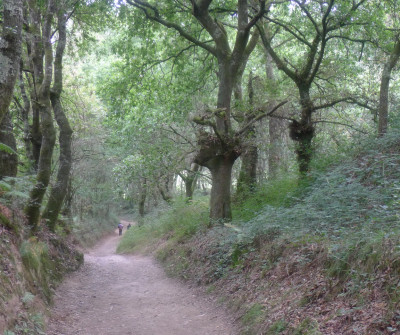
(131, 295)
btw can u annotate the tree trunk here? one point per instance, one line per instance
(10, 52)
(219, 152)
(248, 172)
(36, 135)
(59, 189)
(67, 208)
(302, 132)
(8, 161)
(25, 109)
(164, 187)
(383, 111)
(32, 210)
(190, 181)
(221, 172)
(142, 197)
(276, 127)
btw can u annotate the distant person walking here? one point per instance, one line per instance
(129, 225)
(120, 226)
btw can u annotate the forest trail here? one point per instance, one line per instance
(130, 295)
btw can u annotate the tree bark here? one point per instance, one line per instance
(276, 128)
(59, 189)
(142, 197)
(10, 52)
(219, 162)
(191, 180)
(302, 132)
(32, 210)
(221, 173)
(8, 161)
(383, 111)
(25, 109)
(248, 171)
(164, 187)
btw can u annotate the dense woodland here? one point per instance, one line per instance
(137, 107)
(183, 97)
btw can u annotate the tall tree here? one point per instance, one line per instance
(42, 59)
(59, 189)
(8, 158)
(311, 25)
(218, 149)
(10, 51)
(383, 110)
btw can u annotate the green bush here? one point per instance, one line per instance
(178, 223)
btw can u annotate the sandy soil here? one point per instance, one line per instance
(123, 294)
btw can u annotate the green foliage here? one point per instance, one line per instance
(277, 327)
(33, 253)
(275, 193)
(29, 324)
(14, 191)
(360, 195)
(178, 223)
(7, 149)
(255, 314)
(89, 230)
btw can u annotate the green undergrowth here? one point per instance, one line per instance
(31, 267)
(89, 230)
(337, 232)
(177, 224)
(275, 193)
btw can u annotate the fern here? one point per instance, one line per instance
(17, 194)
(7, 149)
(5, 187)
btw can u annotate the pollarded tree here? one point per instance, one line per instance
(201, 23)
(307, 27)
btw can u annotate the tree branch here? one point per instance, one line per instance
(144, 6)
(341, 124)
(259, 117)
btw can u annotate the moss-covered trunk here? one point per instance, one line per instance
(59, 189)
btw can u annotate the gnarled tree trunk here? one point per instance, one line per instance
(10, 52)
(43, 47)
(8, 161)
(221, 172)
(59, 189)
(190, 180)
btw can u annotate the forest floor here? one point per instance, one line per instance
(125, 294)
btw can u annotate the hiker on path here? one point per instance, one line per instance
(120, 226)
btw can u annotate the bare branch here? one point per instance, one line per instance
(259, 117)
(342, 124)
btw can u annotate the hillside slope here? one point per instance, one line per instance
(30, 267)
(323, 260)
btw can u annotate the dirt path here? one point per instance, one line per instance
(120, 295)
